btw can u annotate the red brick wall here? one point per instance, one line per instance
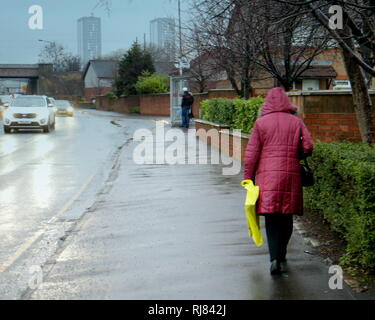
(92, 93)
(156, 105)
(330, 127)
(215, 139)
(153, 104)
(124, 104)
(232, 145)
(121, 105)
(222, 93)
(198, 98)
(329, 115)
(104, 103)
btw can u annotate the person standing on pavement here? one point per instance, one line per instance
(186, 104)
(277, 144)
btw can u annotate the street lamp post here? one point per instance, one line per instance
(180, 35)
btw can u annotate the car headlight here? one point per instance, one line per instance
(43, 121)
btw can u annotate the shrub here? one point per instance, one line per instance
(218, 110)
(152, 83)
(111, 95)
(135, 109)
(345, 195)
(246, 113)
(236, 113)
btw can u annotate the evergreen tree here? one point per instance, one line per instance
(132, 65)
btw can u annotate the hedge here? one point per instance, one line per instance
(111, 95)
(152, 83)
(236, 113)
(345, 195)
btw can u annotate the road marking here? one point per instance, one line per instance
(22, 249)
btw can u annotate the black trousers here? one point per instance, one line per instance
(279, 231)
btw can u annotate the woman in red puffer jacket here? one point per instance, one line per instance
(278, 142)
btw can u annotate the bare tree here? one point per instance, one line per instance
(356, 37)
(203, 66)
(104, 4)
(62, 84)
(286, 47)
(230, 45)
(62, 60)
(250, 41)
(164, 59)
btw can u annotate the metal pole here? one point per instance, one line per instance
(180, 34)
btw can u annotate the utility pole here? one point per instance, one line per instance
(180, 34)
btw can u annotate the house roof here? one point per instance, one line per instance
(319, 71)
(104, 69)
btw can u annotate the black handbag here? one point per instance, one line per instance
(307, 175)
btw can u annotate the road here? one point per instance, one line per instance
(79, 219)
(47, 178)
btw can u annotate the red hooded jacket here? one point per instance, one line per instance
(278, 142)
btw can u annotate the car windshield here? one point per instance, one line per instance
(29, 102)
(62, 103)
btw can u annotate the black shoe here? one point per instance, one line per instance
(275, 268)
(283, 266)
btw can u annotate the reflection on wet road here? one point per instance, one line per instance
(40, 173)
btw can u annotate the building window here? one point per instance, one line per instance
(310, 85)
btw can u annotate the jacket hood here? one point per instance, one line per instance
(278, 101)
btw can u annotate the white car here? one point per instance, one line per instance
(29, 112)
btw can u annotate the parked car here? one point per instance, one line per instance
(64, 107)
(29, 112)
(4, 103)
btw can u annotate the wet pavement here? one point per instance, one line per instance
(158, 232)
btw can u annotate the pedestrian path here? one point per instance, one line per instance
(176, 232)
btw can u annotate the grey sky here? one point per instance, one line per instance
(129, 19)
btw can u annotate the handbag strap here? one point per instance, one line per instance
(306, 164)
(301, 150)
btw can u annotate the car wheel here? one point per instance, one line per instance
(7, 129)
(47, 129)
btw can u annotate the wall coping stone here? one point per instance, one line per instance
(235, 134)
(215, 90)
(214, 124)
(324, 93)
(153, 94)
